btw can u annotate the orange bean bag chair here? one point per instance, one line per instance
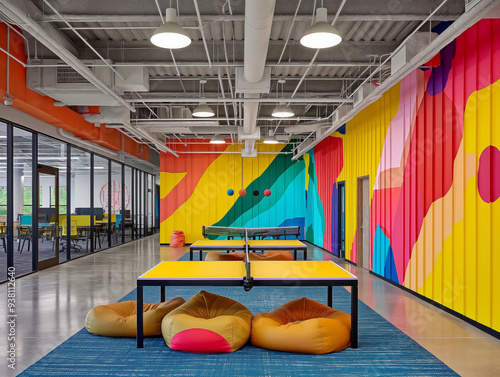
(178, 239)
(303, 326)
(207, 323)
(240, 255)
(120, 319)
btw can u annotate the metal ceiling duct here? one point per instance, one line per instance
(258, 22)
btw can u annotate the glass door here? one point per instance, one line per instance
(48, 216)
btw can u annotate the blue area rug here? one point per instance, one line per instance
(383, 349)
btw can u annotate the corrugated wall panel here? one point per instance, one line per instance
(430, 146)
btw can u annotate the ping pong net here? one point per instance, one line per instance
(254, 233)
(248, 279)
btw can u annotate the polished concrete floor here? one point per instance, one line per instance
(51, 305)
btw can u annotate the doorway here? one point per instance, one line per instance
(363, 223)
(341, 219)
(47, 216)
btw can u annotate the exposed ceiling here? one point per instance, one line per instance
(316, 82)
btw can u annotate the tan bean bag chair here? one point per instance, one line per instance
(303, 326)
(240, 255)
(207, 323)
(120, 319)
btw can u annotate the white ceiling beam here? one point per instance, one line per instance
(243, 100)
(193, 19)
(219, 65)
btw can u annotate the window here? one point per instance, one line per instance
(3, 201)
(62, 199)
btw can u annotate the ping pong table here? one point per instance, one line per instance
(253, 245)
(236, 273)
(253, 233)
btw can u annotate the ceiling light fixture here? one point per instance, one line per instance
(271, 139)
(203, 110)
(321, 34)
(217, 139)
(7, 99)
(282, 110)
(170, 34)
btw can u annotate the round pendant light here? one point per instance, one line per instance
(321, 34)
(217, 139)
(203, 111)
(282, 111)
(170, 34)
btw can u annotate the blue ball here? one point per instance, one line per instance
(230, 192)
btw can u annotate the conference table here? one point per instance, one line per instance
(263, 273)
(253, 246)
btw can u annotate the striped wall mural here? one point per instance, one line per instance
(194, 189)
(430, 147)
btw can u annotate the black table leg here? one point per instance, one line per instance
(162, 293)
(201, 254)
(330, 296)
(190, 254)
(140, 329)
(305, 254)
(354, 315)
(295, 254)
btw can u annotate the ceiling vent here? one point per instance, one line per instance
(135, 79)
(340, 112)
(361, 93)
(64, 84)
(416, 43)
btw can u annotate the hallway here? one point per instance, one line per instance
(51, 306)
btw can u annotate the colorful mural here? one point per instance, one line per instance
(194, 189)
(430, 147)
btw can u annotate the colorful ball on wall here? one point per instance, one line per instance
(267, 192)
(255, 192)
(243, 192)
(230, 192)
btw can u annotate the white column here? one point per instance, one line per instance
(18, 179)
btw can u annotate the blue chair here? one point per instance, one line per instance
(24, 231)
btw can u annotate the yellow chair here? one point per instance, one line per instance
(83, 227)
(73, 233)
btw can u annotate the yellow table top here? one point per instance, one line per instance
(269, 270)
(275, 243)
(202, 243)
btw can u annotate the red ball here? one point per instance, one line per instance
(267, 192)
(243, 192)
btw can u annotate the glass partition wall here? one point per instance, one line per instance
(3, 200)
(117, 207)
(80, 204)
(128, 204)
(24, 196)
(59, 202)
